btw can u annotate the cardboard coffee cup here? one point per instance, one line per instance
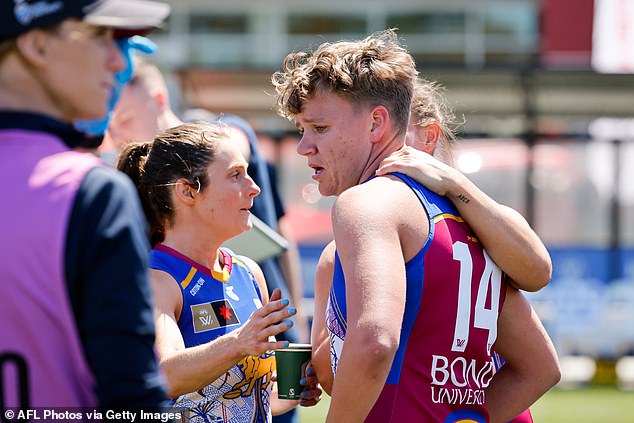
(291, 368)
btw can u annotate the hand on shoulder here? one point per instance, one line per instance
(423, 167)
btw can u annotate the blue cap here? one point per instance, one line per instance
(20, 16)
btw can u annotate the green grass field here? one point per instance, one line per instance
(590, 405)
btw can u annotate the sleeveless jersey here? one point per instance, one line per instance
(40, 347)
(453, 299)
(214, 304)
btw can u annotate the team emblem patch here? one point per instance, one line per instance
(213, 315)
(465, 416)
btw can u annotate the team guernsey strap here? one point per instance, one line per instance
(214, 304)
(454, 297)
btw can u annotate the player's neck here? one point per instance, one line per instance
(378, 153)
(202, 251)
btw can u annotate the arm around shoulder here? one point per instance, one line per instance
(505, 234)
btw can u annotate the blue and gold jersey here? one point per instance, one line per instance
(214, 304)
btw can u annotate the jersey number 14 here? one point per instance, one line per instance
(484, 318)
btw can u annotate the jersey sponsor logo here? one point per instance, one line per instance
(461, 371)
(214, 315)
(455, 381)
(199, 283)
(457, 396)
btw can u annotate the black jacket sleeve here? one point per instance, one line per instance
(106, 266)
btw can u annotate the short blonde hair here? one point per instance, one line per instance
(374, 71)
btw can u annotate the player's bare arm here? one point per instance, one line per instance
(531, 366)
(370, 223)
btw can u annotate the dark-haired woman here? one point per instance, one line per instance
(215, 322)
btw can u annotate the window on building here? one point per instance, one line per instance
(425, 59)
(518, 21)
(428, 23)
(305, 24)
(511, 59)
(218, 24)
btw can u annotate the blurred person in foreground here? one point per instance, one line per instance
(216, 326)
(431, 132)
(416, 305)
(74, 264)
(95, 129)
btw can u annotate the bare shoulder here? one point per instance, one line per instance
(327, 256)
(383, 199)
(325, 265)
(163, 280)
(166, 291)
(384, 208)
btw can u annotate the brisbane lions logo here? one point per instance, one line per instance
(257, 375)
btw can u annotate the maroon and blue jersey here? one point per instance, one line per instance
(454, 296)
